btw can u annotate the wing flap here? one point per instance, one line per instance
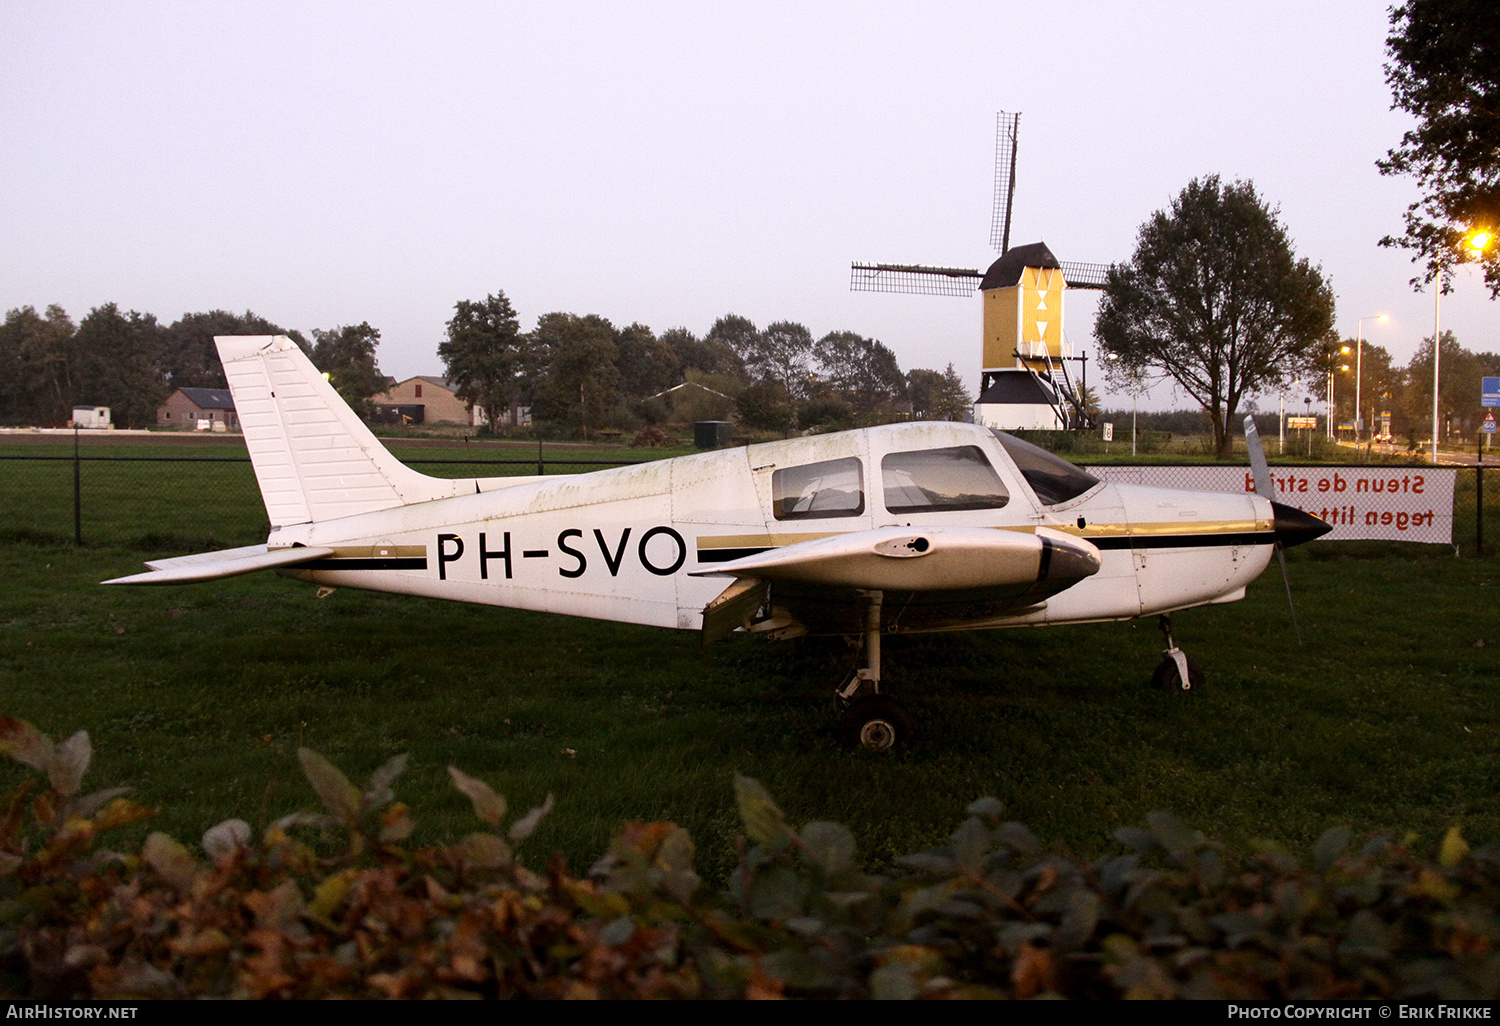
(210, 566)
(734, 608)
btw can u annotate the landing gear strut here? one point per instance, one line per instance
(1176, 672)
(872, 720)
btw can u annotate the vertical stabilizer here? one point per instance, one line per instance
(314, 458)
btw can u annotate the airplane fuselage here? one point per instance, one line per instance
(621, 544)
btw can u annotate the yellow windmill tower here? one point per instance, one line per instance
(1025, 381)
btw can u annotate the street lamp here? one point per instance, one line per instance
(1477, 241)
(1359, 372)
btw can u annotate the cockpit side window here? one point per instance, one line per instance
(941, 480)
(1053, 478)
(833, 488)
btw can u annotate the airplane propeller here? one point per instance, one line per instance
(1292, 525)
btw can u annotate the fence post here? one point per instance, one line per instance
(77, 496)
(1479, 503)
(540, 467)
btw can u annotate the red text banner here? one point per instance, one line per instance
(1413, 504)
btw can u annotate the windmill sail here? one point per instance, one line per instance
(1084, 276)
(914, 279)
(1007, 130)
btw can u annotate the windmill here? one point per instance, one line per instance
(1025, 381)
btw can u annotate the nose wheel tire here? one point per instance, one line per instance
(1169, 678)
(877, 724)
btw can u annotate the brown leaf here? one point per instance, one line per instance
(70, 760)
(483, 850)
(1032, 971)
(25, 744)
(275, 909)
(523, 827)
(171, 861)
(224, 839)
(489, 805)
(341, 798)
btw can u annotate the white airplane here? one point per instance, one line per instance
(902, 528)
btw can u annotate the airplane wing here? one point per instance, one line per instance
(933, 578)
(923, 559)
(208, 566)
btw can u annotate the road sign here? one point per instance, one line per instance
(1489, 392)
(1489, 423)
(1301, 422)
(1109, 431)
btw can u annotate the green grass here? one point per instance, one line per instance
(199, 697)
(1386, 719)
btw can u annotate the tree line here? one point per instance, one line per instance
(131, 362)
(1406, 392)
(578, 373)
(581, 372)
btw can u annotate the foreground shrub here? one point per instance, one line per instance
(334, 904)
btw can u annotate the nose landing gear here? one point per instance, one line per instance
(1176, 672)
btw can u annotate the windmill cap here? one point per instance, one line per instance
(1006, 271)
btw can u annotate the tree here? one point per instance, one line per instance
(35, 378)
(582, 382)
(950, 398)
(1462, 370)
(117, 362)
(707, 355)
(766, 406)
(647, 364)
(736, 334)
(486, 356)
(192, 360)
(861, 371)
(1445, 72)
(1214, 299)
(782, 353)
(347, 356)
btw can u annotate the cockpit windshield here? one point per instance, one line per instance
(1053, 478)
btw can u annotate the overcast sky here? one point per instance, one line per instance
(326, 164)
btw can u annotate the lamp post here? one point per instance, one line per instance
(1478, 241)
(1359, 371)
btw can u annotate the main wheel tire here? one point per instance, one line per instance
(878, 724)
(1168, 678)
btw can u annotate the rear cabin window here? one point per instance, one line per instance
(1053, 478)
(834, 488)
(940, 480)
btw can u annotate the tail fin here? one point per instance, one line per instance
(314, 458)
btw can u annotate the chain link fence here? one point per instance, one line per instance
(179, 502)
(193, 502)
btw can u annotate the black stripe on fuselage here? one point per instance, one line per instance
(1183, 541)
(376, 563)
(725, 555)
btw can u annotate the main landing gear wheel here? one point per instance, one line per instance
(878, 724)
(1169, 678)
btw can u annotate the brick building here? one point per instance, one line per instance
(186, 407)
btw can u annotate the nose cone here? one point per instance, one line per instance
(1293, 527)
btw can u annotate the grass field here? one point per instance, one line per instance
(1387, 718)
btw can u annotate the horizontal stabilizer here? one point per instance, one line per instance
(923, 559)
(210, 566)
